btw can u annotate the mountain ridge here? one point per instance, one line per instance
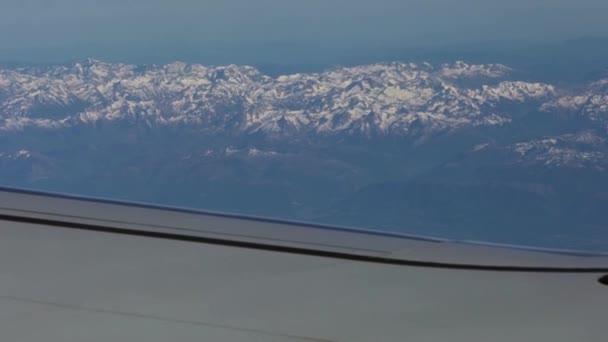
(379, 99)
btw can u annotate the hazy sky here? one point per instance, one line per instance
(42, 24)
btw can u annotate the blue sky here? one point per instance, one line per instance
(47, 24)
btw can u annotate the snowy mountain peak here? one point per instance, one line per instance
(461, 69)
(577, 150)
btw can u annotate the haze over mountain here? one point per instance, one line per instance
(134, 24)
(469, 151)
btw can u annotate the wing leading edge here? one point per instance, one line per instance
(90, 270)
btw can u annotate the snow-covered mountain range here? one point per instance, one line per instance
(391, 99)
(378, 99)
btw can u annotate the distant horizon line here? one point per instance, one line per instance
(304, 57)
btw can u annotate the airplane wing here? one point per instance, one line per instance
(79, 269)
